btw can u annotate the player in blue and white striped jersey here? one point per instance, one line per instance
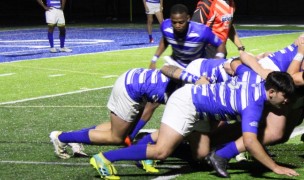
(188, 39)
(131, 91)
(54, 16)
(192, 103)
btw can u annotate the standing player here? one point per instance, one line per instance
(188, 39)
(153, 7)
(54, 16)
(193, 103)
(218, 15)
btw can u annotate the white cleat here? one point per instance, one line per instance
(78, 150)
(241, 157)
(60, 148)
(53, 50)
(64, 49)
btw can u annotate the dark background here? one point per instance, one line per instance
(29, 12)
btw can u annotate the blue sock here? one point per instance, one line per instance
(51, 39)
(228, 151)
(150, 36)
(146, 140)
(86, 129)
(62, 39)
(81, 136)
(140, 124)
(134, 152)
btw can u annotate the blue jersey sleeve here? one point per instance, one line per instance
(251, 117)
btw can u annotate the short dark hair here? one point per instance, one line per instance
(281, 82)
(179, 9)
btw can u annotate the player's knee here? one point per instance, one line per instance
(161, 154)
(117, 140)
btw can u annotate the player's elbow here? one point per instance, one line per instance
(248, 143)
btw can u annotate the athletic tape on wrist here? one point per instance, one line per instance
(154, 59)
(220, 55)
(298, 57)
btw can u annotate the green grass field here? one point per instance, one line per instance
(35, 101)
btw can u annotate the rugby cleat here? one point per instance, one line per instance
(64, 49)
(104, 167)
(60, 147)
(78, 150)
(218, 163)
(241, 157)
(53, 50)
(151, 40)
(148, 165)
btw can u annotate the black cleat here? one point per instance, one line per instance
(219, 164)
(302, 137)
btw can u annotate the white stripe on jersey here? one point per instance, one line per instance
(154, 77)
(164, 78)
(290, 48)
(130, 76)
(267, 63)
(222, 95)
(185, 43)
(142, 76)
(244, 95)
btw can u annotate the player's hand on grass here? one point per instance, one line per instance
(285, 171)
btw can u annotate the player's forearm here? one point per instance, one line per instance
(42, 4)
(252, 62)
(254, 147)
(63, 2)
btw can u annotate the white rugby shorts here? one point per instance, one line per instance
(180, 113)
(153, 8)
(121, 103)
(55, 16)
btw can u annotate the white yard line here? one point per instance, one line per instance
(54, 95)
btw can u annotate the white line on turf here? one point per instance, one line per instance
(53, 106)
(7, 74)
(83, 164)
(55, 95)
(56, 75)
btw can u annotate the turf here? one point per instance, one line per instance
(26, 152)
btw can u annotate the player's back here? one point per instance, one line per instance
(147, 85)
(227, 98)
(213, 69)
(279, 60)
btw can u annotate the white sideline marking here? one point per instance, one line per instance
(54, 106)
(7, 74)
(55, 95)
(56, 75)
(82, 164)
(109, 76)
(166, 177)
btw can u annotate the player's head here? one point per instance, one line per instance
(280, 87)
(231, 64)
(180, 18)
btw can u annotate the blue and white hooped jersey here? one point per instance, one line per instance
(279, 60)
(148, 85)
(54, 3)
(153, 1)
(192, 46)
(231, 100)
(213, 69)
